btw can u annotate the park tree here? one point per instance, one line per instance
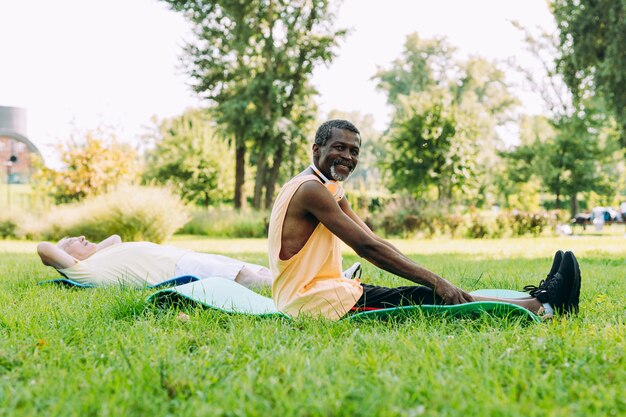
(428, 85)
(570, 155)
(592, 57)
(567, 155)
(92, 164)
(253, 61)
(189, 155)
(421, 138)
(424, 63)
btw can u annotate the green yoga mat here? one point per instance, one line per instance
(226, 295)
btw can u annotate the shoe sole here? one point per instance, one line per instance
(574, 298)
(566, 281)
(556, 263)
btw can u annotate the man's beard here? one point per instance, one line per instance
(337, 176)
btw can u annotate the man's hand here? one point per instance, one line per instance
(450, 293)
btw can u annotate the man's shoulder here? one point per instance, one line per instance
(300, 179)
(295, 185)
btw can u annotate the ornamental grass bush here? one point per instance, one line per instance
(133, 212)
(227, 223)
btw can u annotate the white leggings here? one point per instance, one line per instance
(205, 265)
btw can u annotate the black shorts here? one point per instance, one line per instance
(375, 298)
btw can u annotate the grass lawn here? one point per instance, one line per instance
(105, 352)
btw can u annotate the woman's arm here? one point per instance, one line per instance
(52, 255)
(109, 241)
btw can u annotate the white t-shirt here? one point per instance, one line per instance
(133, 263)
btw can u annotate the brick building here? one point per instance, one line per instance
(16, 150)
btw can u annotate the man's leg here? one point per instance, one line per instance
(529, 303)
(375, 297)
(561, 292)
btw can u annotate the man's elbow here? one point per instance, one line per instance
(366, 250)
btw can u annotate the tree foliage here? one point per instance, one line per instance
(449, 110)
(254, 60)
(569, 149)
(592, 35)
(422, 136)
(91, 166)
(191, 157)
(568, 158)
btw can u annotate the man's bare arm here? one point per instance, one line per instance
(313, 198)
(52, 255)
(109, 241)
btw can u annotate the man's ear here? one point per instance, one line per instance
(316, 149)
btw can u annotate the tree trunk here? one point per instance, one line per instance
(240, 175)
(272, 177)
(573, 201)
(261, 168)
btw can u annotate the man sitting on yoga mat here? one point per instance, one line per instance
(311, 215)
(142, 263)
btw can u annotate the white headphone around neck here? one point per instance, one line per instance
(334, 187)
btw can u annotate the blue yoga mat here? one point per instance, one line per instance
(226, 295)
(66, 282)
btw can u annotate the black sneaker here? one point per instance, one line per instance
(558, 291)
(575, 295)
(556, 263)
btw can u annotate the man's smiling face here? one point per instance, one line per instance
(338, 157)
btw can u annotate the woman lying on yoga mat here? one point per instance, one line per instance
(144, 263)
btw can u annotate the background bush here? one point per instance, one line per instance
(133, 212)
(406, 217)
(228, 223)
(19, 224)
(9, 224)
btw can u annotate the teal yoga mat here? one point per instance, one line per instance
(219, 293)
(226, 295)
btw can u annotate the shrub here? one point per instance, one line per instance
(405, 216)
(16, 224)
(133, 212)
(8, 225)
(480, 226)
(527, 223)
(228, 223)
(453, 222)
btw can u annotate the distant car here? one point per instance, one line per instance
(598, 215)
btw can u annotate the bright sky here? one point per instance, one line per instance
(81, 64)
